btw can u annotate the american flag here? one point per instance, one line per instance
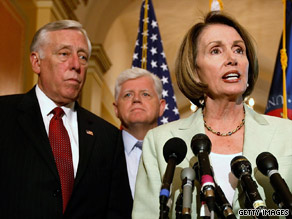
(149, 55)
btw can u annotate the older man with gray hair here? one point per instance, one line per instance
(58, 160)
(138, 104)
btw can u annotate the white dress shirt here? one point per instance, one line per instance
(69, 120)
(133, 155)
(223, 175)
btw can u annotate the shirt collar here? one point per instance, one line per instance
(47, 105)
(129, 141)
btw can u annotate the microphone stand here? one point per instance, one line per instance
(178, 206)
(163, 214)
(223, 206)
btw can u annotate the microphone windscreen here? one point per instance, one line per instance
(188, 173)
(239, 166)
(266, 162)
(200, 142)
(175, 147)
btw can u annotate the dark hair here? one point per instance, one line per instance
(186, 60)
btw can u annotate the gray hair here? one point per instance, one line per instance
(41, 36)
(134, 73)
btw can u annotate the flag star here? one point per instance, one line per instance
(154, 24)
(153, 37)
(164, 120)
(145, 33)
(164, 80)
(146, 6)
(153, 64)
(165, 93)
(153, 50)
(175, 110)
(135, 56)
(147, 20)
(174, 98)
(164, 67)
(166, 107)
(144, 46)
(143, 60)
(137, 43)
(163, 54)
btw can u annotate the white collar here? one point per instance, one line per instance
(129, 141)
(47, 105)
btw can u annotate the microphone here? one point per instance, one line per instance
(201, 147)
(241, 168)
(222, 203)
(268, 165)
(174, 151)
(187, 177)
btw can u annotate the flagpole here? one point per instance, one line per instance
(144, 45)
(284, 60)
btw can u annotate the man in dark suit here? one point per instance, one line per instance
(39, 179)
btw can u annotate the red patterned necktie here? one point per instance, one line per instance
(60, 143)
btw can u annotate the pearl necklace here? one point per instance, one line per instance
(228, 133)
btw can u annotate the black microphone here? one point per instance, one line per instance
(187, 177)
(223, 204)
(201, 147)
(241, 168)
(268, 165)
(174, 151)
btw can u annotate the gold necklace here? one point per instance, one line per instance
(228, 133)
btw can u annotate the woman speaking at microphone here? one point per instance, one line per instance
(216, 69)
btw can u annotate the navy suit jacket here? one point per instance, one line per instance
(30, 185)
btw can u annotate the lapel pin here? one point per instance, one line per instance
(89, 132)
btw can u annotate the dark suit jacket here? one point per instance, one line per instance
(121, 143)
(30, 185)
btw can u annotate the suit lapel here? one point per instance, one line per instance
(31, 122)
(187, 129)
(86, 140)
(255, 126)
